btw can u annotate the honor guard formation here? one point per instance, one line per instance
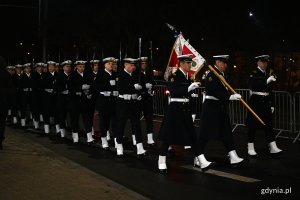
(95, 99)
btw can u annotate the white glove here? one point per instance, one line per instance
(148, 85)
(235, 97)
(139, 98)
(85, 87)
(193, 117)
(272, 109)
(89, 96)
(137, 86)
(270, 79)
(193, 86)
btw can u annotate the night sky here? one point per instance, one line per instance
(80, 26)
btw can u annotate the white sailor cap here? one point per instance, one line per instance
(80, 62)
(143, 59)
(94, 61)
(66, 62)
(45, 65)
(223, 58)
(130, 60)
(108, 59)
(51, 63)
(264, 58)
(39, 64)
(10, 67)
(27, 65)
(19, 66)
(185, 58)
(116, 60)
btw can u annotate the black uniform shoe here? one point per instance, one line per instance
(163, 171)
(141, 156)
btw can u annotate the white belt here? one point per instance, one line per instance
(49, 90)
(211, 97)
(65, 92)
(128, 96)
(261, 93)
(78, 93)
(182, 100)
(106, 93)
(27, 89)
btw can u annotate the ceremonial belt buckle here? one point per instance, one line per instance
(115, 93)
(134, 96)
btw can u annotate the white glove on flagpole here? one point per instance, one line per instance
(270, 79)
(193, 86)
(235, 97)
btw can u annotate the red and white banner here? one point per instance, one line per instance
(181, 47)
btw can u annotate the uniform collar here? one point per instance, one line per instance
(81, 74)
(66, 73)
(108, 72)
(263, 71)
(219, 71)
(185, 74)
(127, 72)
(52, 73)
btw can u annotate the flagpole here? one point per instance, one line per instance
(234, 92)
(171, 56)
(139, 63)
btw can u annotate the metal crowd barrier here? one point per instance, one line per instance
(286, 116)
(296, 100)
(283, 116)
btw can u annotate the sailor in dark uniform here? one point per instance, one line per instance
(128, 106)
(214, 120)
(177, 126)
(49, 97)
(6, 89)
(147, 98)
(11, 71)
(106, 102)
(93, 74)
(16, 104)
(261, 101)
(37, 93)
(80, 91)
(63, 95)
(26, 84)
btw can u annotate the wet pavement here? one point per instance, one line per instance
(39, 167)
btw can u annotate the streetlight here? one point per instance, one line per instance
(250, 14)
